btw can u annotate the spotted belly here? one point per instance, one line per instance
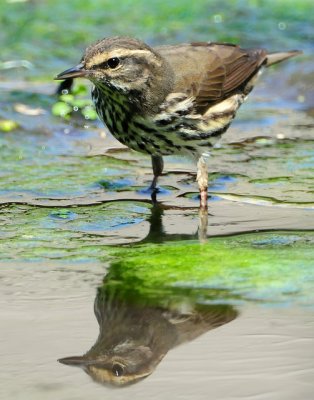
(133, 131)
(175, 130)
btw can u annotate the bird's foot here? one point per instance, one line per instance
(153, 190)
(150, 190)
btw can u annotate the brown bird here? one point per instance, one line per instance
(170, 99)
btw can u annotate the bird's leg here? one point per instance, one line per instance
(158, 166)
(202, 180)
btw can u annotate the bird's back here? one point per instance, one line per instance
(212, 72)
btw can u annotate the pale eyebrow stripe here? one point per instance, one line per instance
(103, 57)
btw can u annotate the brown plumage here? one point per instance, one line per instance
(170, 99)
(212, 72)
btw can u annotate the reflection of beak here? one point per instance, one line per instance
(76, 361)
(74, 72)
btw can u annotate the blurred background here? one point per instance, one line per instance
(46, 35)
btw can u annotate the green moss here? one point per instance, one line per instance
(267, 267)
(7, 125)
(78, 102)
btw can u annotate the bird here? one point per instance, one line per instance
(171, 99)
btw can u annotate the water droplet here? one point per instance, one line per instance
(86, 117)
(86, 126)
(301, 98)
(282, 26)
(75, 108)
(217, 18)
(65, 91)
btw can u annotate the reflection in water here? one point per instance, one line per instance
(136, 332)
(157, 232)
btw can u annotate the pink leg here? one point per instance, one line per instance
(202, 180)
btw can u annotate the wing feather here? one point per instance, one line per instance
(212, 72)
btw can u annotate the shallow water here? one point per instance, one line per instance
(156, 299)
(265, 352)
(70, 196)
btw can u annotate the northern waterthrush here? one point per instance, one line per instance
(170, 99)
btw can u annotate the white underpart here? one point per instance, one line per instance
(174, 105)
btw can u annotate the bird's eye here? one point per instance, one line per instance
(113, 62)
(117, 370)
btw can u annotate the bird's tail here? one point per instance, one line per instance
(274, 58)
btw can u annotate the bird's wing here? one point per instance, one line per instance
(211, 72)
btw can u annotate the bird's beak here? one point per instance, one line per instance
(75, 72)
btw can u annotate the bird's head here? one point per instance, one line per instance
(126, 65)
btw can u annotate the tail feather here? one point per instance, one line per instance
(274, 58)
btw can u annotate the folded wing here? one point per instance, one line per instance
(211, 72)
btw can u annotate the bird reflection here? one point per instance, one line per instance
(136, 332)
(157, 233)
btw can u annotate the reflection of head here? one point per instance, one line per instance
(134, 338)
(132, 341)
(115, 369)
